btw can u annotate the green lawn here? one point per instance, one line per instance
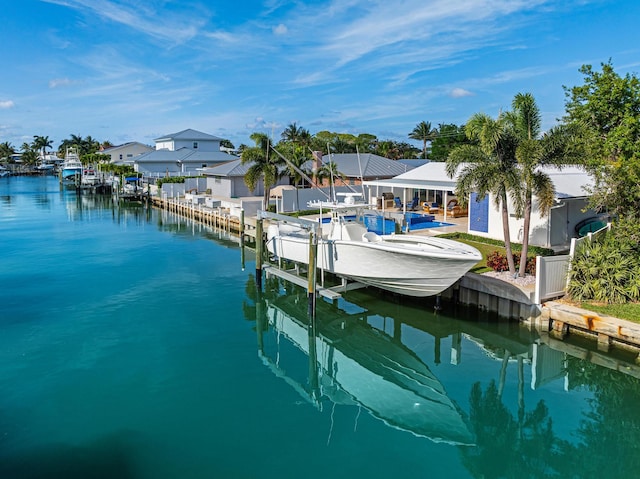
(628, 311)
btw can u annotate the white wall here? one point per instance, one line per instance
(128, 152)
(554, 229)
(203, 145)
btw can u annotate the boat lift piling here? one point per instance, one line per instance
(315, 230)
(311, 273)
(259, 245)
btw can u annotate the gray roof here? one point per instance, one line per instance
(369, 166)
(232, 168)
(188, 134)
(184, 155)
(124, 145)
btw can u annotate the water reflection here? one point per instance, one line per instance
(351, 362)
(362, 353)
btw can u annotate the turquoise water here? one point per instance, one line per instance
(133, 344)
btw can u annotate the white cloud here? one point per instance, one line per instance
(6, 104)
(281, 29)
(459, 93)
(59, 82)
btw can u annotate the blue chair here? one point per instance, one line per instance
(397, 202)
(415, 202)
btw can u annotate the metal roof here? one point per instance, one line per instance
(188, 134)
(570, 182)
(183, 155)
(231, 168)
(364, 166)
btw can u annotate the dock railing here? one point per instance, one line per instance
(552, 272)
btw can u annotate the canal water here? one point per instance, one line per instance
(134, 344)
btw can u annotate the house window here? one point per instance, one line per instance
(204, 165)
(195, 145)
(129, 155)
(120, 155)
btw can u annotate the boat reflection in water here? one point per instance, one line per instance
(351, 362)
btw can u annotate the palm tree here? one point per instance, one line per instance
(532, 152)
(6, 150)
(294, 133)
(424, 133)
(263, 167)
(330, 171)
(488, 167)
(29, 156)
(41, 143)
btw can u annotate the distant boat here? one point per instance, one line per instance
(71, 167)
(89, 177)
(405, 264)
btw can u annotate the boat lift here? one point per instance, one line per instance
(315, 231)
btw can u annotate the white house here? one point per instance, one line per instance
(553, 230)
(126, 151)
(184, 153)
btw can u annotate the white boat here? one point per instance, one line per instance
(405, 264)
(89, 177)
(71, 167)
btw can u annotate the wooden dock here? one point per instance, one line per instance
(561, 319)
(216, 217)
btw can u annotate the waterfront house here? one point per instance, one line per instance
(553, 230)
(126, 151)
(184, 153)
(227, 180)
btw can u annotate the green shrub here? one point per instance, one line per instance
(607, 270)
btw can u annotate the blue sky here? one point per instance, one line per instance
(134, 70)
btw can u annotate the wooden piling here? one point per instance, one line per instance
(259, 245)
(311, 273)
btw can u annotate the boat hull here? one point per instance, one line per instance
(411, 269)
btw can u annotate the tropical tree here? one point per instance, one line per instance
(329, 171)
(41, 143)
(388, 149)
(424, 133)
(263, 165)
(606, 108)
(534, 151)
(488, 167)
(366, 143)
(449, 136)
(294, 133)
(6, 150)
(29, 156)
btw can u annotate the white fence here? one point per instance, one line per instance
(552, 272)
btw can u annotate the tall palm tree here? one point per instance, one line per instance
(488, 167)
(41, 143)
(424, 133)
(534, 151)
(294, 133)
(263, 165)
